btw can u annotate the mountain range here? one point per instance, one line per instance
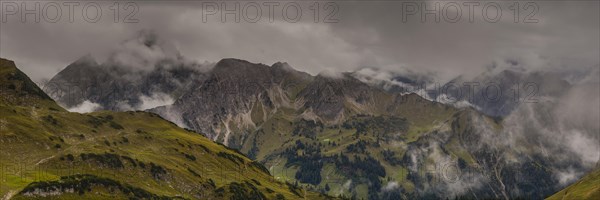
(350, 135)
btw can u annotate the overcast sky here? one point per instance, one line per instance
(366, 34)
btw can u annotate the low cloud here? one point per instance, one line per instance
(85, 107)
(330, 73)
(392, 185)
(143, 52)
(155, 100)
(567, 176)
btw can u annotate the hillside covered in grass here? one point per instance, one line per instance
(47, 152)
(587, 187)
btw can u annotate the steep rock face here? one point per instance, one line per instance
(235, 96)
(231, 91)
(239, 95)
(330, 98)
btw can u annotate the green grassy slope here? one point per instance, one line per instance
(292, 148)
(47, 152)
(587, 187)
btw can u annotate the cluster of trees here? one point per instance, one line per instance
(115, 125)
(189, 156)
(390, 157)
(245, 191)
(375, 124)
(68, 157)
(50, 119)
(358, 147)
(367, 165)
(307, 128)
(310, 172)
(130, 160)
(259, 166)
(157, 171)
(232, 157)
(114, 161)
(367, 168)
(84, 183)
(99, 121)
(106, 159)
(309, 162)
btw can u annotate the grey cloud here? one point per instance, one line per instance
(85, 107)
(566, 36)
(369, 34)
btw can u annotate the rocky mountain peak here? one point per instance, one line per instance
(241, 70)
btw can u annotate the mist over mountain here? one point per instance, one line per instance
(255, 100)
(141, 73)
(497, 91)
(509, 132)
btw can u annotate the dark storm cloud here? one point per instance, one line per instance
(368, 34)
(565, 36)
